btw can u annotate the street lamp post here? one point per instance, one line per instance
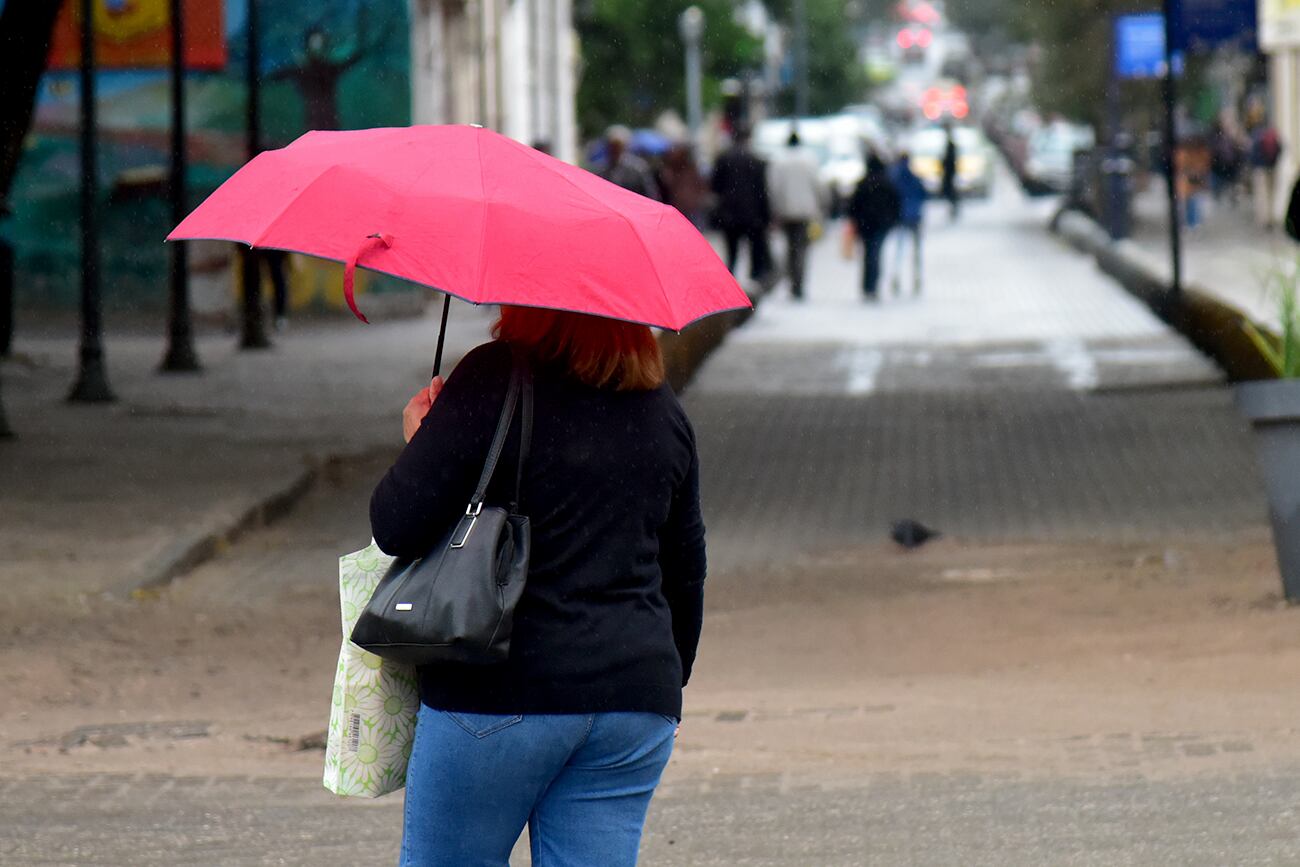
(92, 379)
(800, 58)
(691, 25)
(6, 432)
(254, 331)
(1171, 144)
(180, 356)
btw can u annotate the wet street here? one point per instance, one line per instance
(1083, 669)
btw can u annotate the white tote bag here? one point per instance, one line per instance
(372, 720)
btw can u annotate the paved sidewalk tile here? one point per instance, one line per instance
(94, 497)
(1022, 396)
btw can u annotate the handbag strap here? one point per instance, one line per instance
(520, 378)
(525, 374)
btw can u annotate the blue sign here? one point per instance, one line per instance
(1205, 24)
(1140, 46)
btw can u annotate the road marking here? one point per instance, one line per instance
(863, 366)
(1071, 357)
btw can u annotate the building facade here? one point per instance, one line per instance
(509, 65)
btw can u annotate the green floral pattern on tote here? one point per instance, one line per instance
(372, 717)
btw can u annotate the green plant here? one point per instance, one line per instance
(1282, 352)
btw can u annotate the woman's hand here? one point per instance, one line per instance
(418, 407)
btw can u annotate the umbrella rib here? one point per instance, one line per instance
(270, 224)
(644, 249)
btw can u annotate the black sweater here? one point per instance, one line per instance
(611, 613)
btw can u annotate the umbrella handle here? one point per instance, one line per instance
(442, 336)
(350, 270)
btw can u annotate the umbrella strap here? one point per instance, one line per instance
(350, 270)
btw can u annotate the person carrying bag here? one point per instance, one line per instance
(568, 731)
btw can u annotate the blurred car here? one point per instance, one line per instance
(880, 67)
(921, 11)
(974, 160)
(853, 132)
(914, 42)
(842, 172)
(1049, 159)
(945, 99)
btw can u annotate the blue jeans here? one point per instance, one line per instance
(581, 782)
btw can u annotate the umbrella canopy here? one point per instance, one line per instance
(476, 215)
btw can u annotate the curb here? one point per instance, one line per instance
(1213, 326)
(684, 353)
(190, 550)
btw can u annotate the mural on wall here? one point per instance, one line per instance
(325, 64)
(134, 34)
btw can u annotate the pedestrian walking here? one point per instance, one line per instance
(1192, 168)
(948, 186)
(1225, 161)
(276, 266)
(795, 193)
(554, 621)
(911, 214)
(625, 168)
(743, 211)
(571, 734)
(1265, 151)
(682, 183)
(874, 209)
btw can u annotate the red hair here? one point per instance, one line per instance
(597, 351)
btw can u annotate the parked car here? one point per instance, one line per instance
(974, 160)
(842, 172)
(1049, 158)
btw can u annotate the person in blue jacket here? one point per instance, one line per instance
(911, 215)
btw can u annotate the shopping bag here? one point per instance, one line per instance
(849, 241)
(815, 231)
(372, 718)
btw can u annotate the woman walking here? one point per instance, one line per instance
(873, 210)
(571, 734)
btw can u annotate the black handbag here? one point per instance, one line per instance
(457, 602)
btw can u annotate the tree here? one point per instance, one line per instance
(25, 32)
(632, 54)
(1072, 41)
(836, 78)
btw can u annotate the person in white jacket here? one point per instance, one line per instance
(795, 194)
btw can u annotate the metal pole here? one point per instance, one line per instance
(691, 24)
(92, 379)
(1175, 218)
(6, 432)
(6, 292)
(6, 313)
(180, 356)
(254, 332)
(800, 58)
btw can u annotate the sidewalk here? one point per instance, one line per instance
(1227, 255)
(1023, 396)
(100, 499)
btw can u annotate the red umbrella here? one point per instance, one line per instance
(476, 215)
